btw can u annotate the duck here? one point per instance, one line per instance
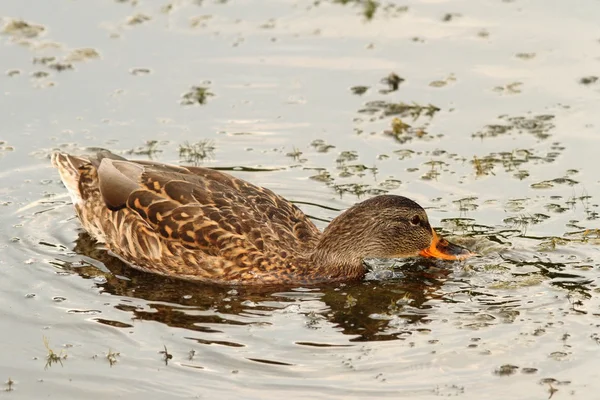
(200, 224)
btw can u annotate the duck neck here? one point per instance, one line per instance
(338, 254)
(331, 265)
(334, 258)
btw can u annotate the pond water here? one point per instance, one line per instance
(485, 112)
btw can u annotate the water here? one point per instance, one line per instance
(493, 131)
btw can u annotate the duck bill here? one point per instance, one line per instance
(444, 250)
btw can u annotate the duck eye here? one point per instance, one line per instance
(415, 220)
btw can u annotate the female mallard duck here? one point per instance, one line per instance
(201, 224)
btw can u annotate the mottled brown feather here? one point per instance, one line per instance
(194, 222)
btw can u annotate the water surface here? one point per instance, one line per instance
(492, 128)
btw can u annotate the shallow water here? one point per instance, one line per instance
(493, 130)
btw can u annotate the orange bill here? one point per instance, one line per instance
(444, 250)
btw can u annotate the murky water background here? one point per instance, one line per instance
(493, 128)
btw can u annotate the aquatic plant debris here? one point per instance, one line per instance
(539, 126)
(166, 355)
(372, 8)
(196, 95)
(588, 80)
(52, 357)
(18, 28)
(82, 54)
(138, 19)
(112, 357)
(150, 149)
(402, 110)
(359, 90)
(196, 153)
(393, 81)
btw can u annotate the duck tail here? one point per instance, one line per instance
(69, 169)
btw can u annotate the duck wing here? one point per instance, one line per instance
(206, 210)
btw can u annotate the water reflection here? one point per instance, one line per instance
(362, 310)
(515, 272)
(481, 294)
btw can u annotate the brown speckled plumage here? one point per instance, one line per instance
(201, 224)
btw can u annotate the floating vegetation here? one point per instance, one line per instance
(111, 356)
(552, 182)
(44, 60)
(466, 204)
(53, 357)
(527, 280)
(321, 146)
(404, 153)
(322, 176)
(295, 155)
(345, 170)
(197, 152)
(167, 8)
(166, 355)
(435, 167)
(403, 110)
(522, 222)
(40, 74)
(525, 56)
(521, 174)
(588, 80)
(403, 132)
(450, 16)
(511, 161)
(346, 156)
(457, 224)
(509, 88)
(270, 24)
(515, 205)
(506, 370)
(538, 126)
(400, 130)
(9, 385)
(350, 301)
(359, 90)
(83, 54)
(139, 71)
(196, 95)
(138, 19)
(443, 82)
(357, 189)
(4, 148)
(60, 66)
(551, 243)
(399, 127)
(556, 208)
(483, 166)
(150, 149)
(200, 21)
(393, 81)
(371, 7)
(19, 28)
(390, 184)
